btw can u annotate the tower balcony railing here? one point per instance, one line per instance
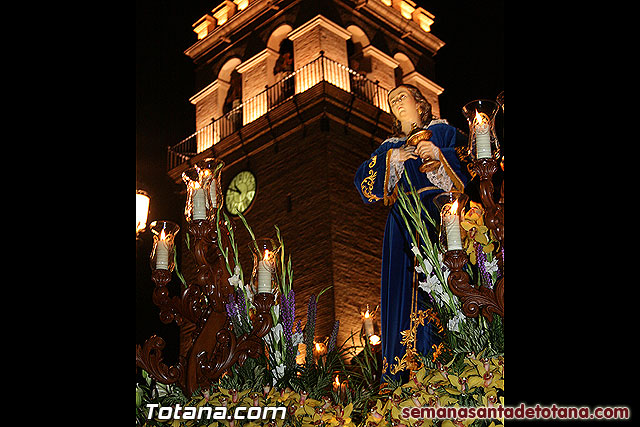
(320, 69)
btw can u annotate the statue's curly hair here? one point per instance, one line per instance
(424, 109)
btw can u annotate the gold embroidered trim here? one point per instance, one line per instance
(367, 184)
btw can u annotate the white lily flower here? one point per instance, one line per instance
(296, 338)
(415, 250)
(454, 324)
(428, 266)
(235, 279)
(277, 373)
(491, 266)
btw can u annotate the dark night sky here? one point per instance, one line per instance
(469, 66)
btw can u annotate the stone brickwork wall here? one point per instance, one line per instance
(306, 188)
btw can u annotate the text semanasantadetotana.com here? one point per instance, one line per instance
(519, 412)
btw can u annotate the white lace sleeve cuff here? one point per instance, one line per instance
(439, 177)
(396, 168)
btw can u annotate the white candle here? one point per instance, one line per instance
(264, 274)
(162, 253)
(368, 324)
(452, 227)
(199, 206)
(483, 139)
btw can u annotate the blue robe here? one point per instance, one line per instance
(398, 269)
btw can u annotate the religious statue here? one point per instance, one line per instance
(422, 149)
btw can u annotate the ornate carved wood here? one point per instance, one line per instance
(230, 349)
(475, 301)
(494, 212)
(214, 347)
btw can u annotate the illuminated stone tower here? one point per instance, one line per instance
(294, 91)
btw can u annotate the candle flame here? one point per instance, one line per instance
(337, 381)
(267, 255)
(367, 315)
(479, 119)
(318, 347)
(454, 208)
(162, 235)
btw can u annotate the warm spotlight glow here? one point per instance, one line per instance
(406, 9)
(242, 4)
(221, 13)
(142, 210)
(424, 19)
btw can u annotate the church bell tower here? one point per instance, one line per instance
(292, 96)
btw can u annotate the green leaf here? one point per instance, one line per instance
(175, 263)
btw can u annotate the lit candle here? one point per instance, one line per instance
(336, 384)
(483, 139)
(452, 227)
(199, 206)
(264, 273)
(162, 253)
(368, 323)
(320, 349)
(339, 387)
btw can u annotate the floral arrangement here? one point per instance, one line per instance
(462, 335)
(466, 369)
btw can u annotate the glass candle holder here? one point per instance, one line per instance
(204, 192)
(264, 275)
(368, 324)
(164, 234)
(483, 142)
(451, 205)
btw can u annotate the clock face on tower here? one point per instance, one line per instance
(240, 193)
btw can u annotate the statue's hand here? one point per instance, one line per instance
(405, 153)
(426, 149)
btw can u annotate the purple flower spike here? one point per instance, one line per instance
(482, 258)
(232, 310)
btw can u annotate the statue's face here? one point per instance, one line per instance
(403, 106)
